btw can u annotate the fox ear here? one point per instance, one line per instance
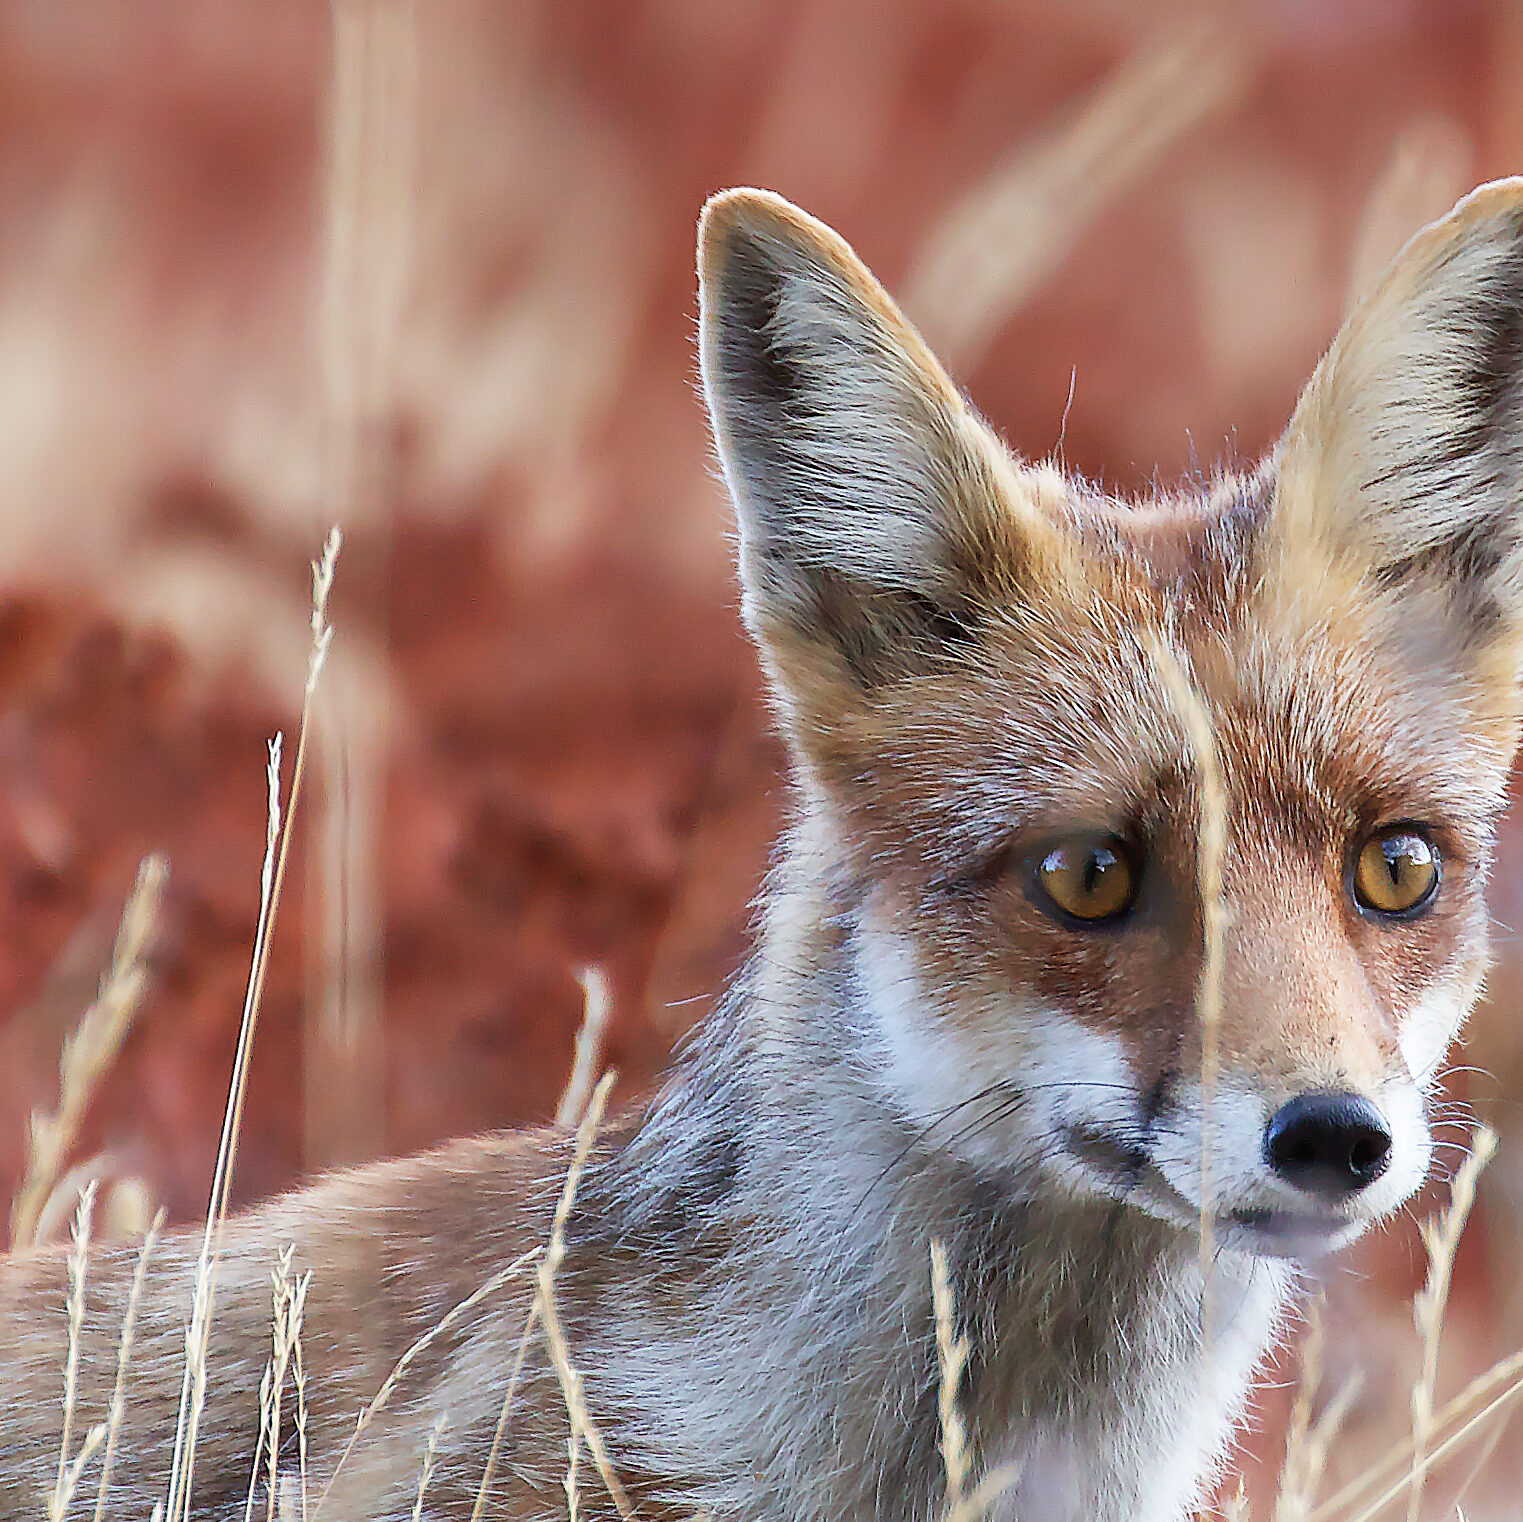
(874, 509)
(1405, 453)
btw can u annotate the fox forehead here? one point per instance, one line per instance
(1053, 715)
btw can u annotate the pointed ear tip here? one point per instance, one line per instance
(1492, 209)
(1493, 195)
(731, 218)
(744, 208)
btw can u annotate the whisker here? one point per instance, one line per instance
(1012, 1094)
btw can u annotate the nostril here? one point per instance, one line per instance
(1369, 1153)
(1331, 1145)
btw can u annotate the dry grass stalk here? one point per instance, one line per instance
(499, 1432)
(299, 1379)
(1291, 1499)
(596, 1006)
(124, 1204)
(1488, 1393)
(1466, 1415)
(58, 1503)
(261, 1442)
(1235, 1507)
(1431, 165)
(569, 1484)
(1211, 804)
(962, 1504)
(430, 1458)
(1481, 1458)
(78, 1267)
(1308, 1440)
(571, 1111)
(368, 238)
(999, 242)
(399, 1369)
(198, 1332)
(951, 1360)
(367, 256)
(1319, 1440)
(90, 1050)
(288, 1307)
(975, 1505)
(116, 1412)
(1441, 1238)
(272, 876)
(1451, 1444)
(582, 1424)
(290, 1301)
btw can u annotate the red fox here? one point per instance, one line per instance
(971, 1012)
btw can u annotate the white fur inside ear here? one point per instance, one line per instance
(835, 445)
(1406, 450)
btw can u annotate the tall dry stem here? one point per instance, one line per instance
(1291, 1501)
(369, 184)
(499, 1432)
(426, 1473)
(288, 1296)
(1441, 1238)
(91, 1050)
(951, 1360)
(962, 1504)
(997, 244)
(379, 1401)
(570, 1483)
(582, 1424)
(571, 1110)
(1211, 809)
(116, 1412)
(1309, 1437)
(78, 1268)
(1490, 1392)
(596, 1005)
(272, 877)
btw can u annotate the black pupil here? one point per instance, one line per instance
(1404, 854)
(1099, 862)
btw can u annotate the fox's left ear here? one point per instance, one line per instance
(879, 519)
(1404, 459)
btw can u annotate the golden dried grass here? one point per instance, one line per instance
(991, 250)
(90, 1051)
(964, 1502)
(1211, 843)
(272, 876)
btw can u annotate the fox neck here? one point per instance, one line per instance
(776, 1323)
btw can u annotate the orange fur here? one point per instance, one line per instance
(965, 651)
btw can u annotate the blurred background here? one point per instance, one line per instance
(427, 270)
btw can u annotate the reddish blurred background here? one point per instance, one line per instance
(436, 280)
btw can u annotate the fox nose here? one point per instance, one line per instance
(1330, 1145)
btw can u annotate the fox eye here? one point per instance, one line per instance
(1089, 877)
(1396, 872)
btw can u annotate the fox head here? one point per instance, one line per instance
(986, 674)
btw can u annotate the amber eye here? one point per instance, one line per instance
(1397, 871)
(1089, 877)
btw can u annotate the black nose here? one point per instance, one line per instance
(1330, 1145)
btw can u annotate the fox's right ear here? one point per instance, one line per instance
(878, 517)
(1403, 463)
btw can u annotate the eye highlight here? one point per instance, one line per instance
(1396, 872)
(1090, 877)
